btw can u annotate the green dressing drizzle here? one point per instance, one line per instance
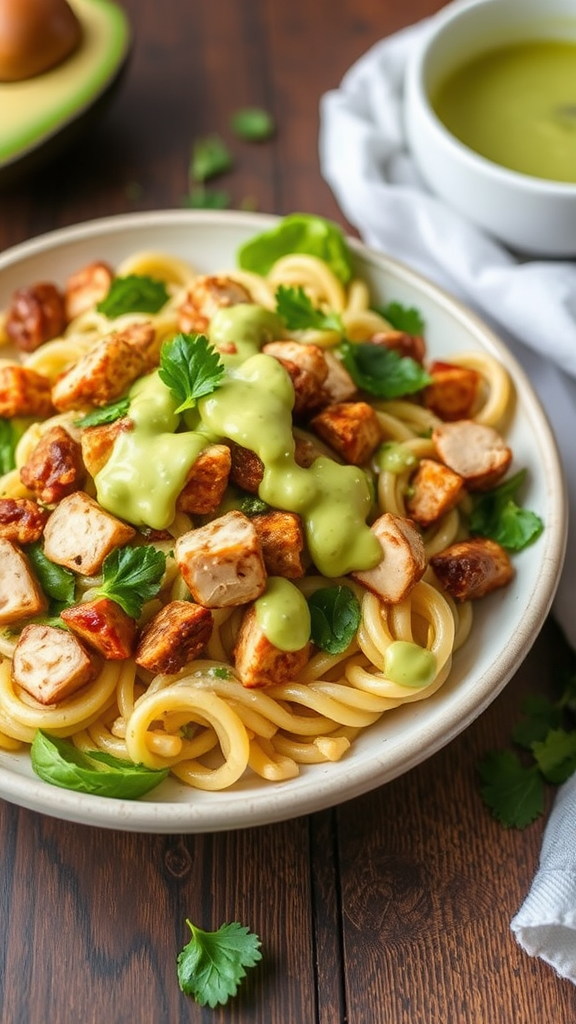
(283, 615)
(407, 664)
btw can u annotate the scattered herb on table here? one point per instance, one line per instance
(252, 124)
(135, 293)
(191, 367)
(210, 157)
(202, 198)
(212, 964)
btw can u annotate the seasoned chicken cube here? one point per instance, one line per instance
(477, 452)
(352, 429)
(51, 664)
(97, 442)
(207, 295)
(470, 569)
(143, 338)
(246, 468)
(207, 481)
(308, 357)
(434, 490)
(35, 315)
(86, 287)
(258, 662)
(104, 625)
(55, 467)
(403, 559)
(20, 593)
(79, 534)
(24, 392)
(21, 520)
(175, 636)
(404, 344)
(222, 562)
(453, 393)
(282, 540)
(101, 375)
(338, 385)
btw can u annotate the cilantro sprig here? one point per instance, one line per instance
(402, 318)
(495, 514)
(212, 964)
(131, 576)
(135, 293)
(191, 368)
(299, 314)
(383, 372)
(334, 617)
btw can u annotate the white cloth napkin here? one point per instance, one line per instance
(532, 306)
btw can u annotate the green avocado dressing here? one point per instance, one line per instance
(407, 664)
(246, 326)
(283, 615)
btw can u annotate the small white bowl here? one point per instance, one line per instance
(532, 215)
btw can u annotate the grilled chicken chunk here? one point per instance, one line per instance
(22, 520)
(222, 562)
(175, 636)
(258, 662)
(20, 594)
(470, 569)
(477, 452)
(55, 467)
(352, 429)
(51, 664)
(434, 490)
(24, 392)
(104, 625)
(403, 559)
(79, 534)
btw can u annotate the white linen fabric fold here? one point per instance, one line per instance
(531, 304)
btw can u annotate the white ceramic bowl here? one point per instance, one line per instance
(531, 215)
(505, 624)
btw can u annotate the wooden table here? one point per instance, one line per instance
(391, 909)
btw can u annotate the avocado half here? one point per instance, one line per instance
(40, 115)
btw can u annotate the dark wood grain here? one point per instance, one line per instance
(393, 908)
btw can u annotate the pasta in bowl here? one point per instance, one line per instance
(248, 517)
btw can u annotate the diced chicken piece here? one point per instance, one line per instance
(104, 625)
(21, 520)
(55, 467)
(175, 636)
(410, 345)
(79, 534)
(246, 468)
(470, 569)
(305, 451)
(403, 559)
(35, 315)
(207, 295)
(20, 594)
(282, 540)
(97, 442)
(434, 490)
(86, 287)
(313, 371)
(309, 394)
(352, 429)
(100, 376)
(207, 481)
(338, 385)
(258, 662)
(143, 338)
(24, 392)
(222, 562)
(453, 393)
(477, 452)
(51, 664)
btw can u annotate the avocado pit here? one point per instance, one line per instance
(35, 35)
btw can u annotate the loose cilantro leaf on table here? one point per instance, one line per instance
(495, 514)
(191, 368)
(131, 576)
(402, 318)
(299, 313)
(210, 157)
(513, 792)
(135, 293)
(60, 763)
(253, 124)
(201, 198)
(105, 414)
(383, 372)
(335, 616)
(211, 966)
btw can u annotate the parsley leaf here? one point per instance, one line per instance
(210, 157)
(514, 793)
(334, 618)
(132, 575)
(135, 293)
(211, 966)
(60, 763)
(252, 124)
(381, 371)
(298, 313)
(495, 514)
(191, 368)
(105, 414)
(402, 318)
(58, 583)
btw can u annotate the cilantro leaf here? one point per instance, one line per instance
(298, 313)
(135, 293)
(495, 514)
(201, 198)
(60, 763)
(252, 124)
(58, 583)
(334, 618)
(132, 575)
(402, 318)
(556, 755)
(190, 367)
(105, 414)
(211, 965)
(298, 232)
(252, 505)
(210, 157)
(514, 793)
(383, 372)
(9, 437)
(540, 715)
